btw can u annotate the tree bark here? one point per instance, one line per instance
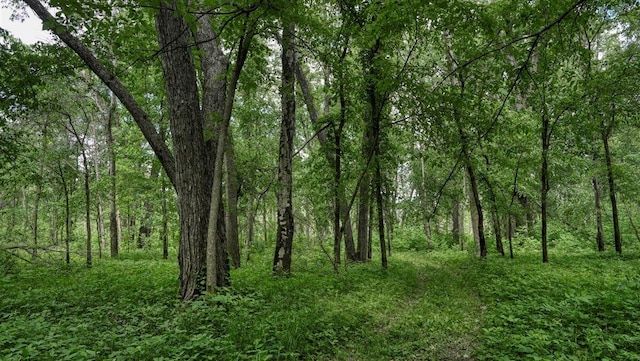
(374, 114)
(114, 234)
(285, 227)
(164, 231)
(67, 212)
(605, 132)
(380, 207)
(600, 232)
(364, 192)
(476, 207)
(99, 211)
(423, 200)
(544, 185)
(193, 178)
(189, 172)
(233, 243)
(218, 98)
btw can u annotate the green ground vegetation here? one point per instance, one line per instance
(439, 305)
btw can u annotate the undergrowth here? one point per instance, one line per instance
(578, 307)
(443, 305)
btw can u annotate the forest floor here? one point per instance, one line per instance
(443, 305)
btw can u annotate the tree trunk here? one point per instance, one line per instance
(544, 185)
(369, 238)
(81, 139)
(341, 208)
(115, 236)
(285, 227)
(375, 105)
(380, 204)
(217, 99)
(36, 207)
(190, 170)
(233, 243)
(251, 220)
(146, 227)
(510, 234)
(87, 198)
(164, 231)
(193, 175)
(98, 201)
(605, 132)
(364, 192)
(476, 207)
(337, 234)
(367, 184)
(495, 217)
(600, 232)
(423, 200)
(67, 212)
(455, 220)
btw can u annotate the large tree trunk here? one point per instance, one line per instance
(193, 179)
(190, 170)
(285, 227)
(218, 99)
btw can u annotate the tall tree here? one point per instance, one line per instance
(284, 189)
(190, 166)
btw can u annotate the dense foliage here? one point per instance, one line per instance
(453, 141)
(442, 305)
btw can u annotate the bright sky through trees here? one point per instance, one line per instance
(29, 29)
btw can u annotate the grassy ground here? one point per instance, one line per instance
(426, 306)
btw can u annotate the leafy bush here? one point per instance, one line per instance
(576, 308)
(409, 238)
(7, 263)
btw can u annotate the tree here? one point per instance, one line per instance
(284, 235)
(190, 166)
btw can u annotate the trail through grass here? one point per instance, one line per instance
(426, 306)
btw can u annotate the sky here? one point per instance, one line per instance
(29, 31)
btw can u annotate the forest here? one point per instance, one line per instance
(321, 180)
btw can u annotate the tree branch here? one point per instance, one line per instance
(141, 118)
